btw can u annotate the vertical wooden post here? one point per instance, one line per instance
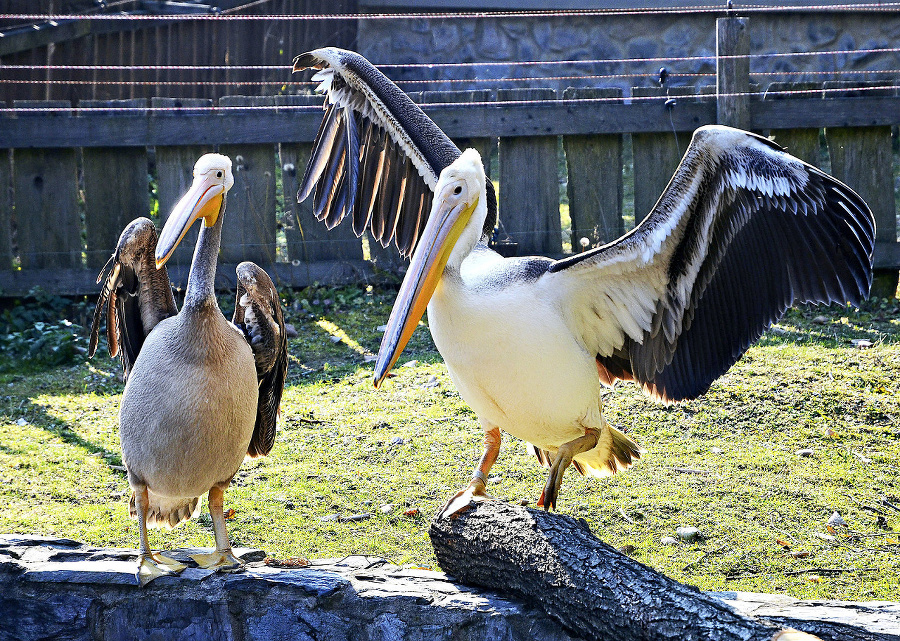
(249, 232)
(733, 72)
(6, 255)
(116, 190)
(529, 185)
(656, 155)
(594, 187)
(862, 157)
(46, 189)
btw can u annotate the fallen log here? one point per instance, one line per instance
(592, 589)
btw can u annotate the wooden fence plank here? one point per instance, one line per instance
(6, 255)
(174, 171)
(307, 239)
(116, 189)
(594, 187)
(529, 185)
(802, 142)
(250, 232)
(656, 155)
(45, 183)
(863, 158)
(733, 72)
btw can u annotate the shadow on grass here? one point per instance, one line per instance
(39, 417)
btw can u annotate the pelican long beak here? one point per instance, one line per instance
(448, 218)
(203, 200)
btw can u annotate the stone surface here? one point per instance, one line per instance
(624, 44)
(61, 589)
(53, 588)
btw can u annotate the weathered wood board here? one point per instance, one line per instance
(656, 155)
(45, 184)
(6, 255)
(250, 231)
(594, 186)
(116, 190)
(529, 185)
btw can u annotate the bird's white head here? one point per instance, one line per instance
(454, 227)
(205, 199)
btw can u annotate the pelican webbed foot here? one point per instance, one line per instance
(154, 565)
(563, 459)
(474, 492)
(219, 561)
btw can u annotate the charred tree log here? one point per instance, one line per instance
(588, 586)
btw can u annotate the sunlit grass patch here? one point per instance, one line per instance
(726, 463)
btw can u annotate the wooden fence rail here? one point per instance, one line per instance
(73, 176)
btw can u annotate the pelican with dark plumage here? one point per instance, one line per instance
(742, 232)
(201, 392)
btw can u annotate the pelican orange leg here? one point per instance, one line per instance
(476, 489)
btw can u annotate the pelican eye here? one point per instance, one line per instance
(458, 190)
(218, 174)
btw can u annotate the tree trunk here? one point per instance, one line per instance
(588, 586)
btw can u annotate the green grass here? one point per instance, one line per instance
(345, 448)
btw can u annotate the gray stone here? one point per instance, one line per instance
(61, 589)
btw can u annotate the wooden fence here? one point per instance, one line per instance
(147, 58)
(76, 176)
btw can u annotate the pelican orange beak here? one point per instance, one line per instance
(205, 199)
(450, 213)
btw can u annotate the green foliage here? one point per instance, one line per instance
(726, 463)
(35, 332)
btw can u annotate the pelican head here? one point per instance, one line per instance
(205, 199)
(454, 227)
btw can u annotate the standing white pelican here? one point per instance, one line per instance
(201, 392)
(742, 231)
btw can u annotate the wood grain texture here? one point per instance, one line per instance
(116, 190)
(6, 254)
(47, 219)
(529, 185)
(733, 72)
(594, 187)
(589, 587)
(249, 231)
(656, 155)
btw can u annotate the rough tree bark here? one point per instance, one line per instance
(591, 588)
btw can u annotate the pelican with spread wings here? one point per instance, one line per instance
(742, 232)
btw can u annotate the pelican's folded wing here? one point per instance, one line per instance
(258, 312)
(742, 232)
(135, 295)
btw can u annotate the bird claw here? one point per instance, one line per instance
(220, 561)
(464, 500)
(154, 565)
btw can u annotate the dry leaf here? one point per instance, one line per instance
(293, 562)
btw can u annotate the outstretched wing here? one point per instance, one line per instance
(377, 156)
(257, 311)
(135, 295)
(742, 232)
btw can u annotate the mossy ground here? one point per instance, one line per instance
(725, 463)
